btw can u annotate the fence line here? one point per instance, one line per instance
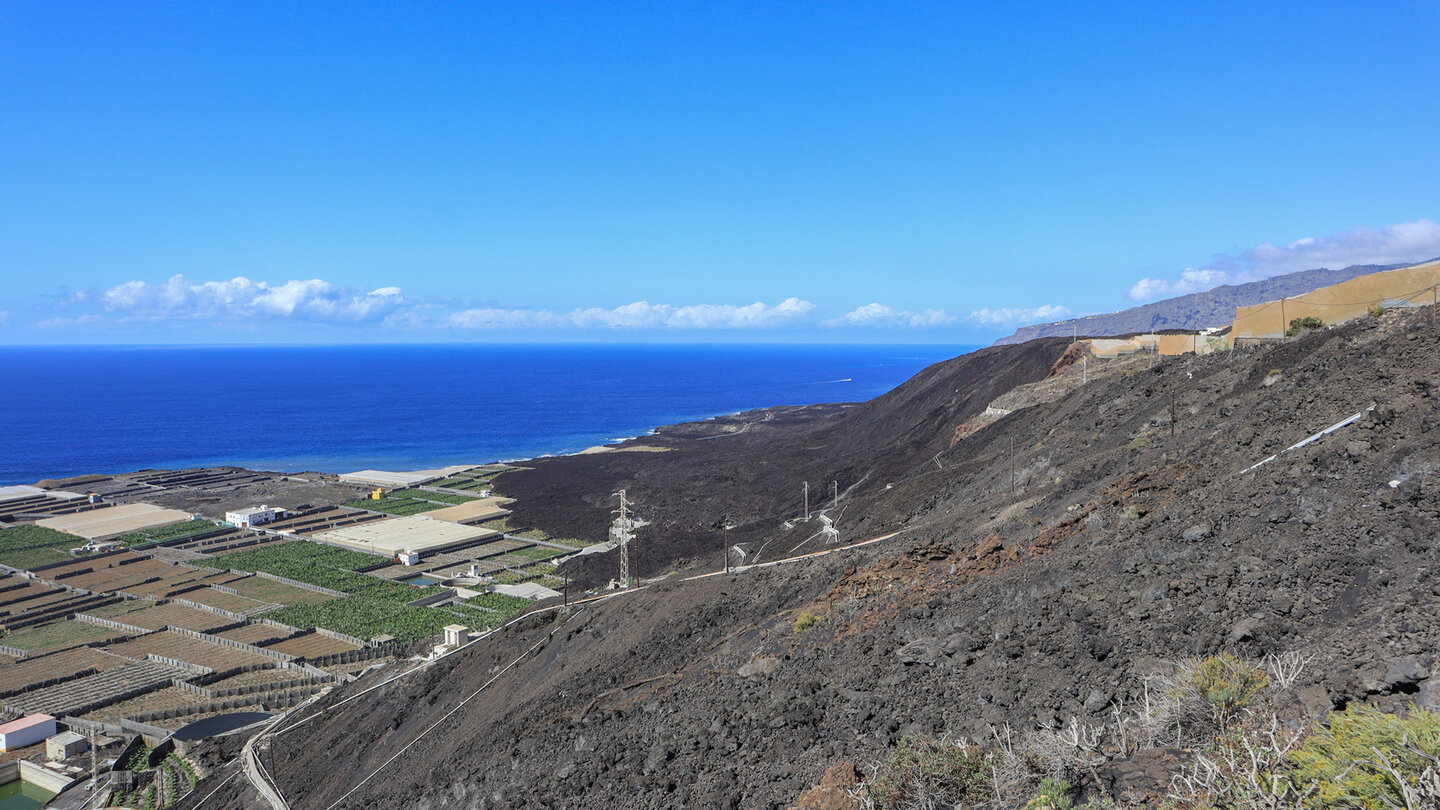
(231, 643)
(86, 617)
(297, 583)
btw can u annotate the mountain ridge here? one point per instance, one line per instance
(1203, 310)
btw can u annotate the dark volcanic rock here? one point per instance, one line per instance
(988, 603)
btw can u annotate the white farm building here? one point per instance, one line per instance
(254, 516)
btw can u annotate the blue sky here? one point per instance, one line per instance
(903, 172)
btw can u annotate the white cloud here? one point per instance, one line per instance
(1191, 281)
(640, 315)
(312, 299)
(62, 322)
(1019, 316)
(1392, 244)
(877, 314)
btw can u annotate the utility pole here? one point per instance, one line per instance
(726, 549)
(567, 589)
(1172, 414)
(807, 500)
(1283, 325)
(835, 489)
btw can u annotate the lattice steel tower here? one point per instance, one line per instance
(622, 533)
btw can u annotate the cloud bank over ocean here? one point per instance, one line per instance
(320, 302)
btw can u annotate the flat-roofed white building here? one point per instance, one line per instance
(64, 745)
(254, 516)
(26, 731)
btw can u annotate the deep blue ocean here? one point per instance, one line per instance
(341, 408)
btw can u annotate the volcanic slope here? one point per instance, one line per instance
(1116, 549)
(747, 470)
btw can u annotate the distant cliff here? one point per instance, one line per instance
(1198, 310)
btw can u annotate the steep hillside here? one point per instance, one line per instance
(1037, 571)
(1215, 307)
(747, 470)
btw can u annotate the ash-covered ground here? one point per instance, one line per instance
(1043, 567)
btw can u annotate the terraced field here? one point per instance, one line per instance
(255, 677)
(32, 671)
(257, 634)
(122, 577)
(400, 507)
(474, 480)
(227, 601)
(323, 519)
(161, 533)
(67, 697)
(189, 650)
(59, 635)
(96, 563)
(268, 590)
(169, 697)
(170, 615)
(183, 577)
(27, 600)
(29, 546)
(310, 645)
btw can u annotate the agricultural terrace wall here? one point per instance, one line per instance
(367, 654)
(197, 669)
(59, 679)
(228, 614)
(82, 725)
(269, 699)
(237, 645)
(1407, 287)
(103, 622)
(277, 625)
(152, 734)
(288, 581)
(64, 610)
(254, 688)
(358, 642)
(87, 558)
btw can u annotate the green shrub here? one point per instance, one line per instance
(1376, 311)
(1298, 325)
(928, 771)
(805, 621)
(138, 760)
(1345, 760)
(1138, 442)
(1054, 795)
(1228, 684)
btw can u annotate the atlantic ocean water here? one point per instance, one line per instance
(340, 408)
